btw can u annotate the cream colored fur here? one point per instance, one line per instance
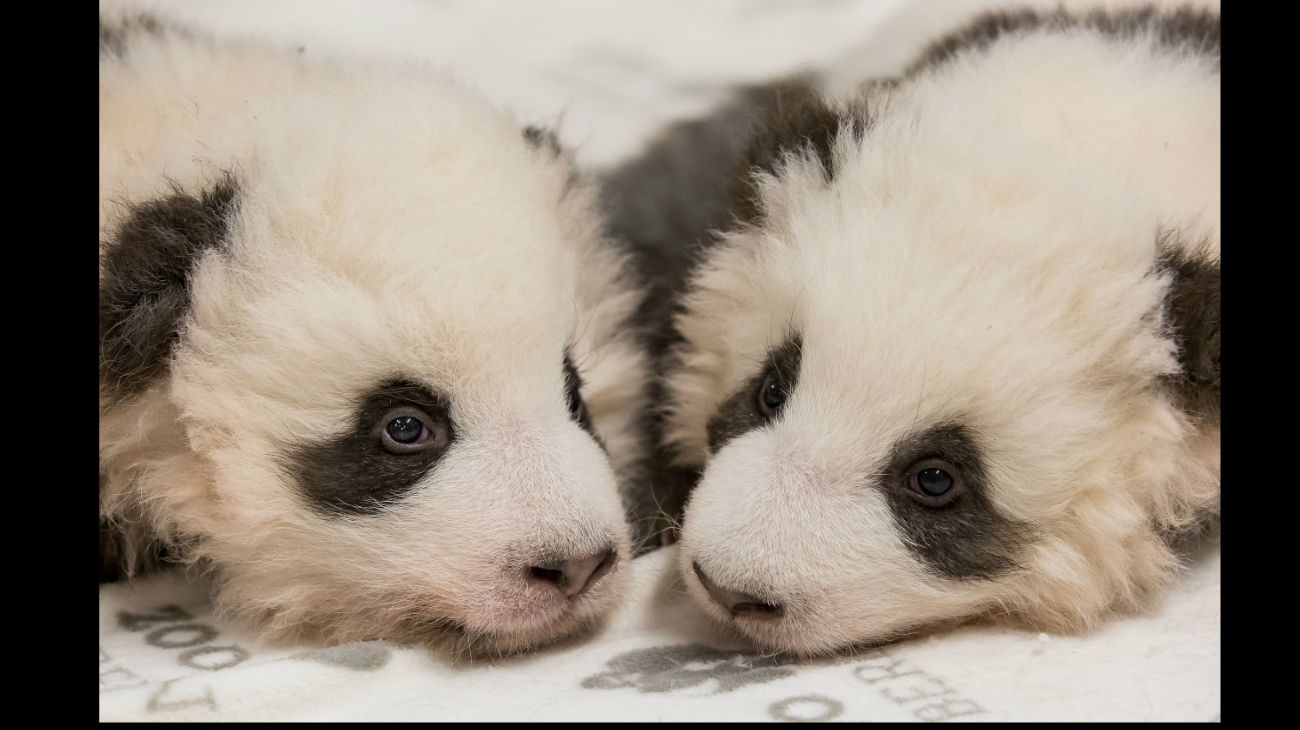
(987, 253)
(389, 221)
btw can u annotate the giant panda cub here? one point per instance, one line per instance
(364, 354)
(949, 345)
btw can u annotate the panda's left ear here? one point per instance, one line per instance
(144, 286)
(1192, 312)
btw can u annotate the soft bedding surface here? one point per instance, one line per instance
(607, 74)
(163, 656)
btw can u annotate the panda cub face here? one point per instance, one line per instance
(961, 355)
(366, 361)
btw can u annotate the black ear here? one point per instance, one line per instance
(144, 291)
(1192, 312)
(795, 118)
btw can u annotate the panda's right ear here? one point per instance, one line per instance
(144, 286)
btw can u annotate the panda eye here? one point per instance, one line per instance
(934, 482)
(771, 394)
(407, 430)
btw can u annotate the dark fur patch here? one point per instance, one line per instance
(663, 206)
(540, 138)
(1182, 29)
(353, 474)
(114, 557)
(798, 122)
(694, 179)
(1191, 540)
(110, 545)
(1192, 314)
(113, 37)
(697, 178)
(110, 554)
(967, 538)
(659, 506)
(740, 413)
(666, 202)
(573, 394)
(144, 293)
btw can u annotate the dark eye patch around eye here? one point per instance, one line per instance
(964, 538)
(353, 474)
(742, 412)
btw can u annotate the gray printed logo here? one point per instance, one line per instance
(362, 656)
(680, 668)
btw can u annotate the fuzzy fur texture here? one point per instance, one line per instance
(982, 244)
(386, 223)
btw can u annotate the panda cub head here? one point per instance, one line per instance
(363, 348)
(959, 354)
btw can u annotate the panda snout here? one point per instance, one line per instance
(738, 603)
(572, 577)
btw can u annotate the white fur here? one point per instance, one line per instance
(986, 253)
(389, 221)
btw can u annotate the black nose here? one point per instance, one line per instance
(573, 577)
(739, 604)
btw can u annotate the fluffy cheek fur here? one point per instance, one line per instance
(446, 564)
(799, 532)
(520, 484)
(448, 561)
(790, 514)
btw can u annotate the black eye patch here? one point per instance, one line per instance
(400, 433)
(761, 398)
(937, 487)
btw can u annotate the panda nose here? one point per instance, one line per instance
(575, 576)
(739, 604)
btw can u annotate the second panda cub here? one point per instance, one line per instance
(948, 346)
(364, 354)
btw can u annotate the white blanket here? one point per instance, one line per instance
(162, 656)
(609, 74)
